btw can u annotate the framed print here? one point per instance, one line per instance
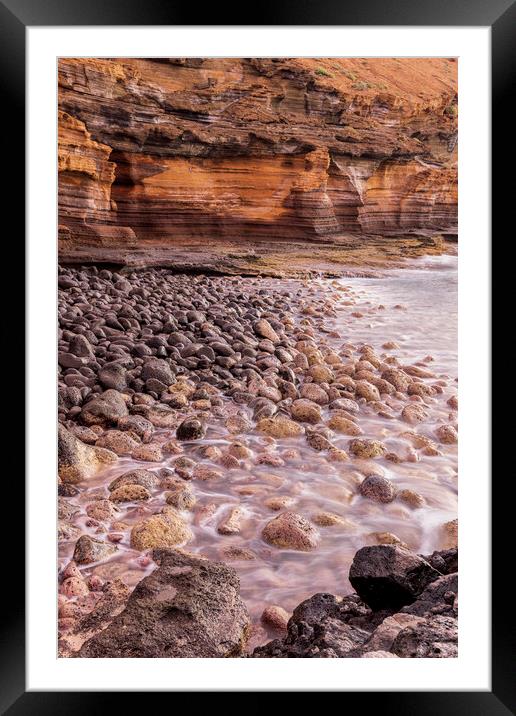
(258, 354)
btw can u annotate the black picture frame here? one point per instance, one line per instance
(15, 17)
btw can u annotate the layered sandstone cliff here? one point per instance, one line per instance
(163, 154)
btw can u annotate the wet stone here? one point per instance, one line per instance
(367, 448)
(145, 478)
(291, 531)
(130, 493)
(148, 453)
(279, 427)
(181, 497)
(377, 488)
(190, 429)
(166, 530)
(88, 550)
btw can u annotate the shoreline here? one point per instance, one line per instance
(276, 384)
(350, 257)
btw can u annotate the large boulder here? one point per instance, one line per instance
(77, 461)
(329, 626)
(439, 598)
(389, 576)
(105, 408)
(187, 608)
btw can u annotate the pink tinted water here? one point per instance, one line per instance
(425, 324)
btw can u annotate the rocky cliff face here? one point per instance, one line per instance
(179, 152)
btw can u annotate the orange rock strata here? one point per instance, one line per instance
(163, 153)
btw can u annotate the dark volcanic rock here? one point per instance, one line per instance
(158, 369)
(437, 598)
(114, 596)
(113, 375)
(320, 627)
(137, 424)
(446, 561)
(81, 347)
(107, 407)
(190, 429)
(389, 576)
(188, 607)
(432, 638)
(327, 626)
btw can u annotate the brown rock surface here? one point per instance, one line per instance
(377, 488)
(367, 448)
(145, 478)
(129, 493)
(188, 607)
(430, 638)
(275, 617)
(291, 531)
(280, 427)
(78, 461)
(88, 550)
(166, 530)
